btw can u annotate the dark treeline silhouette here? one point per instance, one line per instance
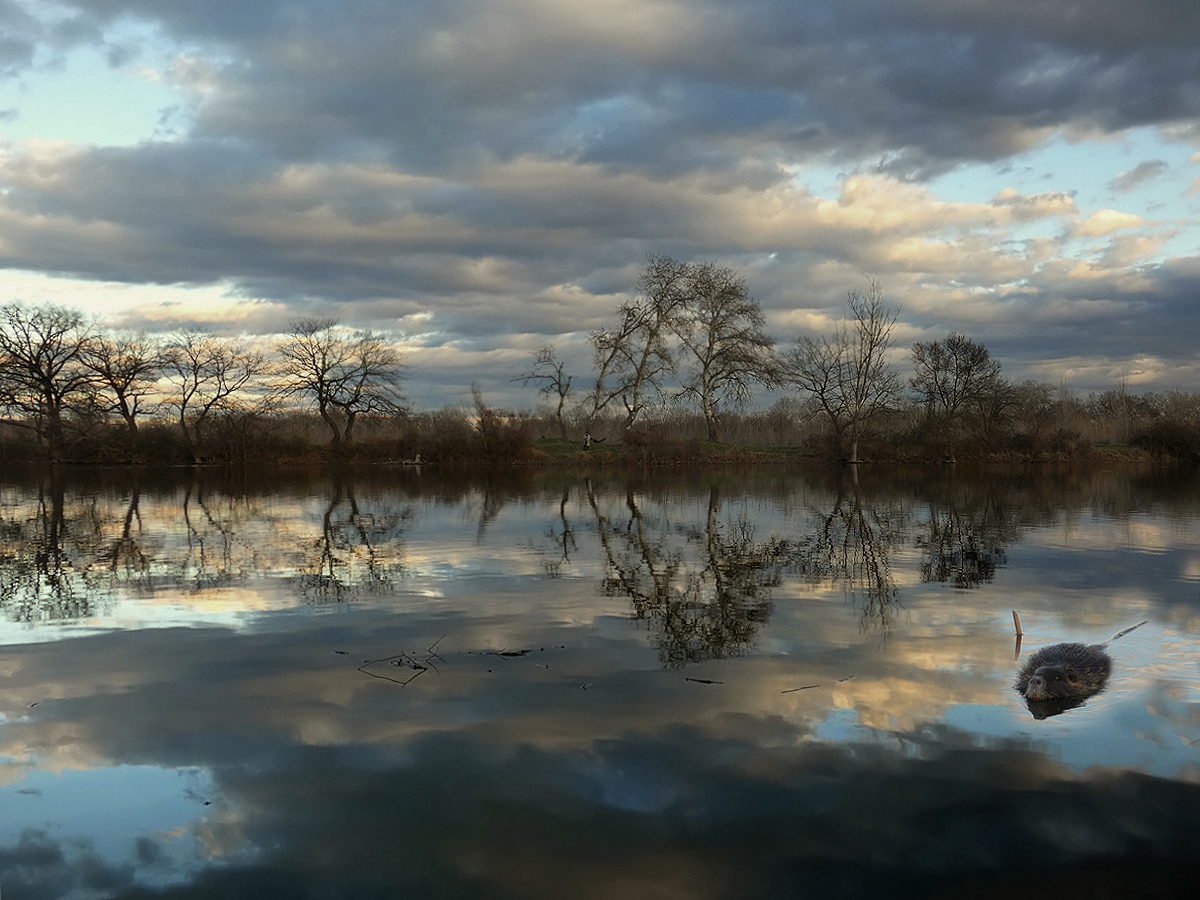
(672, 381)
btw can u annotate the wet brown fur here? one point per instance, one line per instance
(1064, 672)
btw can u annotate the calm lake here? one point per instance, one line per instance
(748, 683)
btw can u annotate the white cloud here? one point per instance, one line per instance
(1104, 221)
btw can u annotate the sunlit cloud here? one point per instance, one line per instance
(463, 164)
(1104, 221)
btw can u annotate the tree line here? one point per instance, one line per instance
(65, 382)
(695, 334)
(692, 342)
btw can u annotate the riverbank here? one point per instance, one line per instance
(555, 451)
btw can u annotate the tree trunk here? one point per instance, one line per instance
(54, 436)
(335, 433)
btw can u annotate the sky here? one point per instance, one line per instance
(480, 178)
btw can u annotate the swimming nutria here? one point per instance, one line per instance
(1062, 676)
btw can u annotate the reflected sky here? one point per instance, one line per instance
(731, 684)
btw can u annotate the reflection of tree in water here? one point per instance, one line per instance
(126, 557)
(965, 539)
(39, 580)
(357, 553)
(219, 554)
(710, 608)
(851, 546)
(66, 550)
(564, 540)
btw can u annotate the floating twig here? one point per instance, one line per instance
(809, 687)
(402, 660)
(703, 680)
(432, 648)
(1123, 632)
(1017, 623)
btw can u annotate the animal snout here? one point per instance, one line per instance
(1036, 689)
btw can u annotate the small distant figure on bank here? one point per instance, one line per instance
(587, 441)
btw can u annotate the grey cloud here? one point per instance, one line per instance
(921, 85)
(225, 20)
(378, 160)
(15, 55)
(19, 34)
(1138, 175)
(1104, 317)
(1111, 25)
(181, 213)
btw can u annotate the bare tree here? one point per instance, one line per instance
(345, 373)
(721, 329)
(633, 358)
(994, 410)
(41, 367)
(551, 371)
(848, 374)
(124, 370)
(951, 375)
(207, 375)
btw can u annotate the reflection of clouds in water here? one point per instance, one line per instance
(464, 817)
(1191, 569)
(576, 785)
(102, 829)
(497, 774)
(201, 697)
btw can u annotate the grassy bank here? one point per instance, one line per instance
(454, 438)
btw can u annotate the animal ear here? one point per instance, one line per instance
(1072, 675)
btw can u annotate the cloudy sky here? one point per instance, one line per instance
(483, 177)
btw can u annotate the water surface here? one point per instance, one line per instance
(758, 683)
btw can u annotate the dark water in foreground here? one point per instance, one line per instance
(666, 685)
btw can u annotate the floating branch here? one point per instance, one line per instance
(432, 648)
(403, 660)
(400, 660)
(1125, 631)
(809, 687)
